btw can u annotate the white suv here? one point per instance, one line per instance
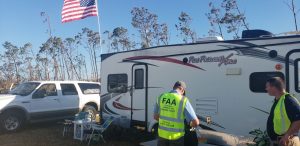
(47, 100)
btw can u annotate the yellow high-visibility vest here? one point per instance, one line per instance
(171, 116)
(281, 120)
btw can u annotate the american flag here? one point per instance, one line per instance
(78, 9)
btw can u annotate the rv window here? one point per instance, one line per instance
(258, 80)
(139, 79)
(297, 75)
(117, 83)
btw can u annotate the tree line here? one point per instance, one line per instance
(225, 17)
(56, 59)
(78, 57)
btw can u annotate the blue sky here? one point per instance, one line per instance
(20, 20)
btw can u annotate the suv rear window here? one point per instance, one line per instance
(68, 89)
(89, 88)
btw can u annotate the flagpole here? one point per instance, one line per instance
(99, 28)
(99, 25)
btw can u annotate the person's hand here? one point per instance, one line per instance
(194, 123)
(284, 141)
(156, 117)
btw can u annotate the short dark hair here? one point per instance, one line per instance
(276, 82)
(179, 84)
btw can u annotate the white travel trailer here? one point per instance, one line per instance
(225, 80)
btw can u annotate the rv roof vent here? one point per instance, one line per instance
(209, 39)
(256, 33)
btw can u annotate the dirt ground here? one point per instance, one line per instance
(50, 134)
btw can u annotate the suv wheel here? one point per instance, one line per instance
(91, 110)
(11, 121)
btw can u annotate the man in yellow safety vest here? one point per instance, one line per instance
(284, 119)
(171, 109)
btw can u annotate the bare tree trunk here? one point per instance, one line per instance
(220, 30)
(46, 69)
(90, 51)
(295, 15)
(109, 42)
(95, 63)
(292, 7)
(61, 66)
(72, 66)
(194, 37)
(65, 66)
(30, 72)
(80, 73)
(38, 72)
(16, 70)
(236, 32)
(92, 65)
(86, 73)
(56, 70)
(243, 20)
(146, 39)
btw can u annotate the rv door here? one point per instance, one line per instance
(297, 75)
(293, 72)
(139, 93)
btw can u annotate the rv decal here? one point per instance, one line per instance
(107, 110)
(120, 106)
(115, 104)
(165, 59)
(103, 102)
(262, 54)
(226, 60)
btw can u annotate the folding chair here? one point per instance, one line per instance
(99, 129)
(81, 122)
(68, 126)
